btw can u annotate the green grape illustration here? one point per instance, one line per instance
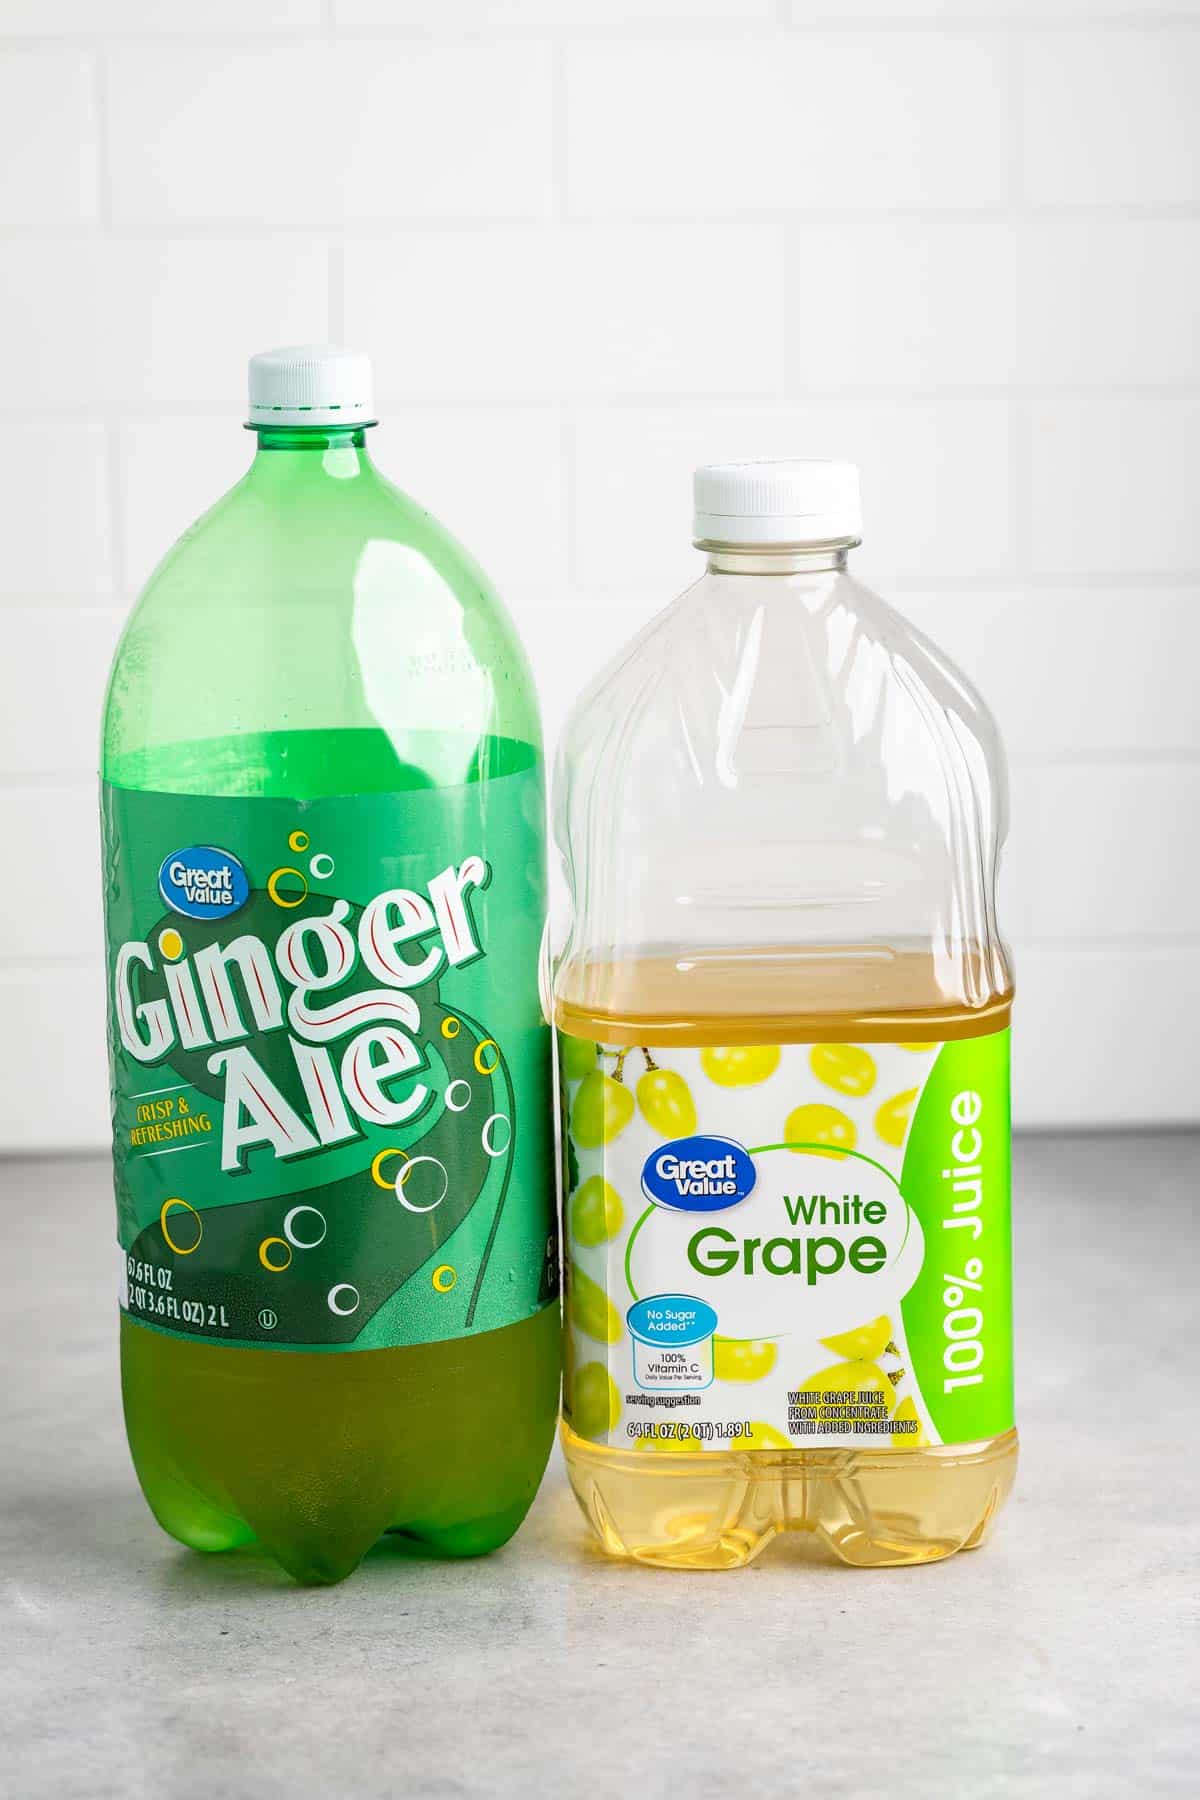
(740, 1065)
(866, 1381)
(749, 1359)
(760, 1436)
(666, 1101)
(909, 1440)
(577, 1056)
(603, 1108)
(596, 1212)
(595, 1402)
(815, 1124)
(846, 1067)
(865, 1343)
(891, 1121)
(591, 1309)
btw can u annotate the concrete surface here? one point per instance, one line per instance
(1060, 1660)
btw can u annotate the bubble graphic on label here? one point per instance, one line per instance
(450, 1028)
(265, 1250)
(307, 1242)
(490, 1148)
(342, 1299)
(298, 841)
(406, 1175)
(490, 1067)
(377, 1174)
(444, 1277)
(286, 898)
(170, 943)
(461, 1104)
(321, 866)
(184, 1206)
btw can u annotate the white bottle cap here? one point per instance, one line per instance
(777, 503)
(311, 384)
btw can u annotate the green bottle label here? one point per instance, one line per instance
(788, 1245)
(329, 1065)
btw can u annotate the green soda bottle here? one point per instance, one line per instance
(324, 880)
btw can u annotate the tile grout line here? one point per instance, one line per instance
(1016, 122)
(1129, 758)
(853, 215)
(559, 196)
(712, 33)
(103, 173)
(108, 422)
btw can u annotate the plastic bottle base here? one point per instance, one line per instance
(436, 1449)
(198, 1525)
(868, 1509)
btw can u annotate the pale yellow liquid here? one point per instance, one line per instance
(703, 1509)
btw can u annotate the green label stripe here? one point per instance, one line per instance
(957, 1179)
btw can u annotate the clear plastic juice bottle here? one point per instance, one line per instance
(783, 1013)
(324, 887)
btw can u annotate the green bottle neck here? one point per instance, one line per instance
(289, 456)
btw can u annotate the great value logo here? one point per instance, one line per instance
(698, 1174)
(203, 882)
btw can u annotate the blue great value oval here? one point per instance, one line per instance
(671, 1319)
(203, 882)
(703, 1173)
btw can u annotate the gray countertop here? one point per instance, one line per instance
(1061, 1659)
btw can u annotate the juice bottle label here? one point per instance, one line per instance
(788, 1246)
(328, 1093)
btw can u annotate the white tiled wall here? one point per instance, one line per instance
(590, 242)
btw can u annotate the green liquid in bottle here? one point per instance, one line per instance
(323, 809)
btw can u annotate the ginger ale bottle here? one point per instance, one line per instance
(324, 885)
(783, 1008)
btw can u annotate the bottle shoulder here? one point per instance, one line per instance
(783, 762)
(308, 602)
(725, 649)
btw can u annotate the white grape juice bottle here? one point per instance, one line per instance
(783, 1012)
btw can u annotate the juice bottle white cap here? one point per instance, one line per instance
(311, 384)
(777, 503)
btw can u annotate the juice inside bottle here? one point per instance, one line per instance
(324, 888)
(783, 1011)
